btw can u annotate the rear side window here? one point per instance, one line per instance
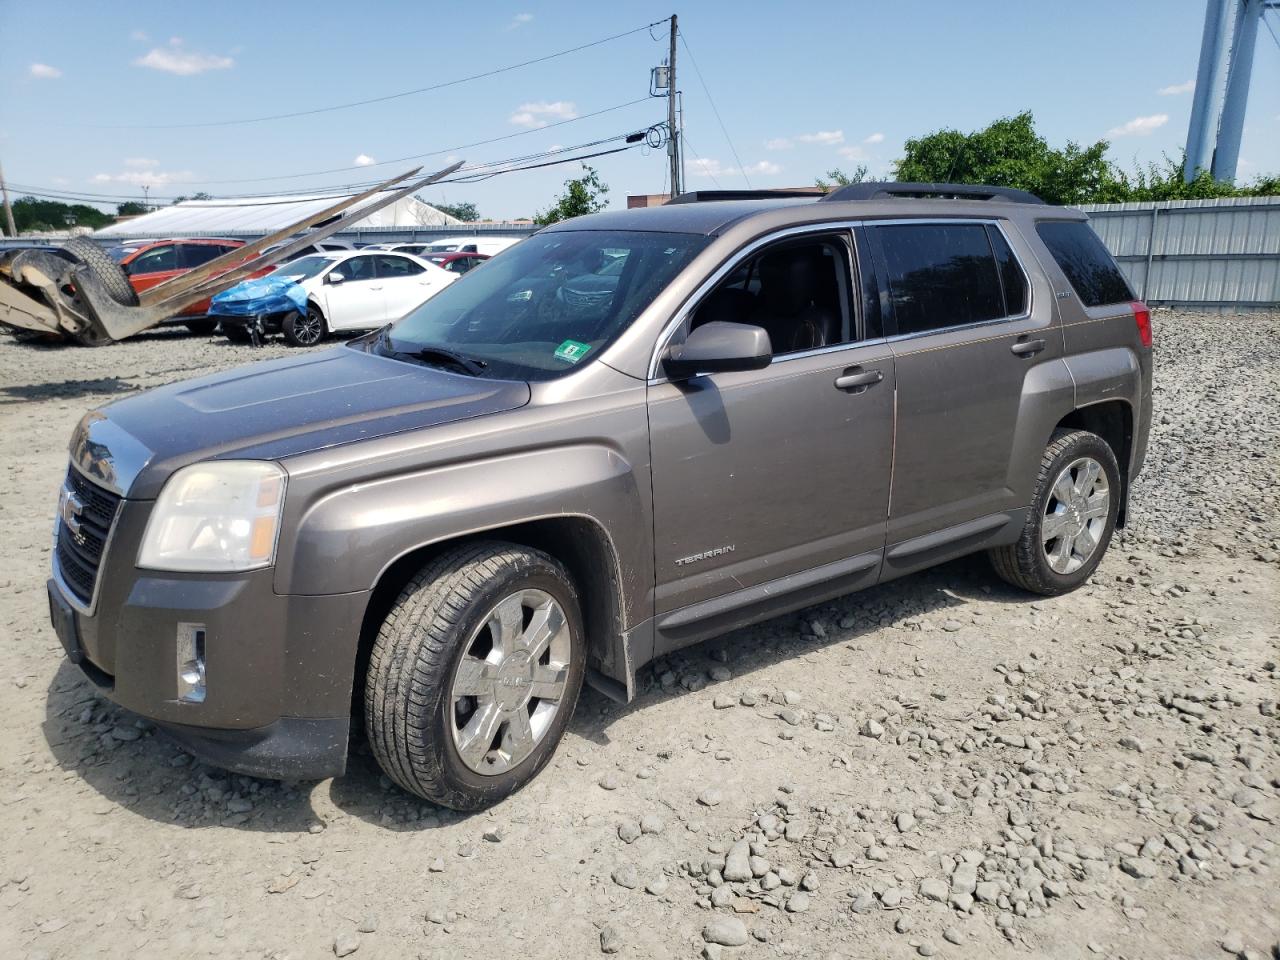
(1086, 262)
(940, 275)
(197, 254)
(1012, 279)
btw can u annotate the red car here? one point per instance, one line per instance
(453, 262)
(151, 262)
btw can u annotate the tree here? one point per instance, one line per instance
(130, 208)
(30, 214)
(838, 178)
(1008, 153)
(1165, 181)
(182, 198)
(468, 212)
(581, 196)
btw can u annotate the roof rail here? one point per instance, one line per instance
(882, 190)
(705, 196)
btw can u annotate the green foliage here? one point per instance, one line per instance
(467, 212)
(1165, 181)
(130, 208)
(1008, 153)
(30, 213)
(581, 196)
(195, 196)
(838, 178)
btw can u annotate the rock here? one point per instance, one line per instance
(905, 924)
(721, 674)
(1133, 743)
(723, 702)
(437, 865)
(723, 896)
(737, 863)
(628, 831)
(368, 925)
(494, 834)
(951, 626)
(726, 931)
(658, 887)
(871, 729)
(952, 935)
(126, 733)
(987, 891)
(934, 889)
(652, 823)
(965, 879)
(809, 882)
(905, 822)
(1139, 867)
(610, 942)
(789, 716)
(626, 876)
(1232, 942)
(798, 902)
(345, 944)
(610, 781)
(709, 797)
(863, 902)
(926, 949)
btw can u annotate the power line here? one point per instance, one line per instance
(390, 96)
(714, 109)
(706, 168)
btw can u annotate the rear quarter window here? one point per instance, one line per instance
(1086, 262)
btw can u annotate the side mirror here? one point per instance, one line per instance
(717, 347)
(333, 277)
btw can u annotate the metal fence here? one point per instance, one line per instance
(1209, 254)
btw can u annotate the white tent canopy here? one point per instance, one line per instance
(217, 218)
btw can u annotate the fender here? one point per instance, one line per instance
(1112, 373)
(348, 537)
(1048, 395)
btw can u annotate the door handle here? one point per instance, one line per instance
(856, 379)
(1027, 348)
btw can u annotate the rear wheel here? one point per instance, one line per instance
(305, 330)
(1072, 517)
(475, 673)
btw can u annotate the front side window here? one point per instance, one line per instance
(389, 265)
(1085, 260)
(940, 275)
(543, 309)
(797, 290)
(156, 260)
(355, 269)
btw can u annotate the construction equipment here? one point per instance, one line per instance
(78, 292)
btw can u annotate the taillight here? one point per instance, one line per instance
(1142, 317)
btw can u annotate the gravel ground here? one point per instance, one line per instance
(938, 767)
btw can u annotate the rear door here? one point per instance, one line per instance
(154, 266)
(406, 283)
(967, 340)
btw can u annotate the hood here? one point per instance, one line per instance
(275, 409)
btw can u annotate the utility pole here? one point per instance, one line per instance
(8, 210)
(673, 145)
(146, 197)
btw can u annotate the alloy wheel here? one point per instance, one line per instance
(510, 681)
(1075, 516)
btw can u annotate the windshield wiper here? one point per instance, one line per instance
(438, 356)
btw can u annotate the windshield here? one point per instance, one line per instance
(303, 267)
(546, 306)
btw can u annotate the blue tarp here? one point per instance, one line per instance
(264, 295)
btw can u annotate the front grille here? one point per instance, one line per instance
(78, 554)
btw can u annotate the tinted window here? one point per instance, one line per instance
(940, 275)
(544, 309)
(154, 261)
(1012, 278)
(1088, 265)
(391, 266)
(195, 254)
(357, 268)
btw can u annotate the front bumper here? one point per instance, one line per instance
(278, 669)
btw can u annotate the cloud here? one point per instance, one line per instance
(178, 60)
(704, 167)
(778, 143)
(42, 71)
(853, 152)
(363, 160)
(825, 137)
(139, 35)
(1140, 126)
(150, 178)
(534, 115)
(1177, 88)
(140, 163)
(519, 20)
(875, 138)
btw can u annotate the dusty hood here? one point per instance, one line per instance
(273, 410)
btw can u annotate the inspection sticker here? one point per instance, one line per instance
(571, 351)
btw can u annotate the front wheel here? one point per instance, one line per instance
(1072, 518)
(475, 673)
(305, 329)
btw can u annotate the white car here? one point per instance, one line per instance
(489, 245)
(347, 292)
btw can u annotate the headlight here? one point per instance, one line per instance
(216, 516)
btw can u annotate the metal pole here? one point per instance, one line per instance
(1151, 250)
(673, 146)
(1243, 41)
(8, 210)
(1206, 104)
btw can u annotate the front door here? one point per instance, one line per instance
(770, 482)
(357, 302)
(969, 347)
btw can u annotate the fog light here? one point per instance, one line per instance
(190, 662)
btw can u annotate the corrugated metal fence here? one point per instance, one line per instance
(1210, 254)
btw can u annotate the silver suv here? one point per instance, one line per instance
(631, 432)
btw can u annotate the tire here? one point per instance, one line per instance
(236, 333)
(201, 328)
(1048, 564)
(417, 722)
(114, 280)
(305, 331)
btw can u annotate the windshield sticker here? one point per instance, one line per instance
(571, 351)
